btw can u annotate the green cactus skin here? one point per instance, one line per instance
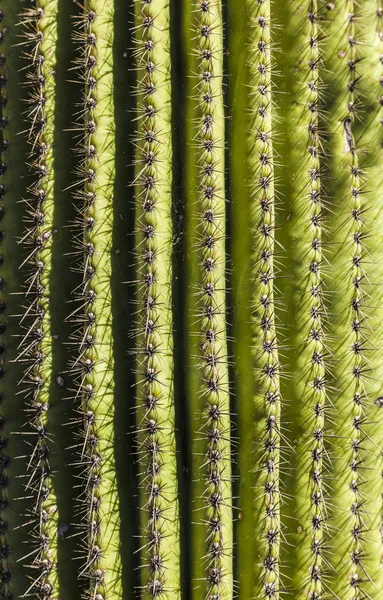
(352, 553)
(124, 305)
(267, 396)
(265, 187)
(207, 373)
(307, 562)
(311, 446)
(93, 366)
(239, 197)
(253, 245)
(62, 411)
(156, 442)
(35, 348)
(372, 139)
(253, 201)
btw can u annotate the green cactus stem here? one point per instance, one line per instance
(62, 411)
(351, 264)
(155, 402)
(93, 366)
(265, 394)
(35, 348)
(372, 139)
(309, 394)
(191, 207)
(208, 391)
(241, 54)
(240, 247)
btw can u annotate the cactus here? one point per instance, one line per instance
(191, 205)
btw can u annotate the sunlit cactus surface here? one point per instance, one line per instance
(191, 300)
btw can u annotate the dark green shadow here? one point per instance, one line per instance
(62, 282)
(123, 297)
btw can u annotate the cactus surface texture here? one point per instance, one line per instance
(191, 300)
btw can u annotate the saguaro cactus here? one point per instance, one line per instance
(191, 299)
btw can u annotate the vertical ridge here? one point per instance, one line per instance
(35, 348)
(156, 442)
(208, 387)
(93, 362)
(267, 394)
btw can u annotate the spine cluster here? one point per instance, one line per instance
(35, 345)
(214, 508)
(5, 573)
(267, 367)
(154, 349)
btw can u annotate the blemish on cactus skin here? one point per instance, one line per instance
(349, 138)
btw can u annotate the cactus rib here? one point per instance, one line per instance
(267, 498)
(312, 450)
(40, 33)
(212, 543)
(93, 365)
(349, 551)
(154, 348)
(373, 139)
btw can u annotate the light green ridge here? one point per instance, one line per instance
(350, 550)
(207, 373)
(266, 369)
(311, 480)
(35, 348)
(159, 514)
(99, 504)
